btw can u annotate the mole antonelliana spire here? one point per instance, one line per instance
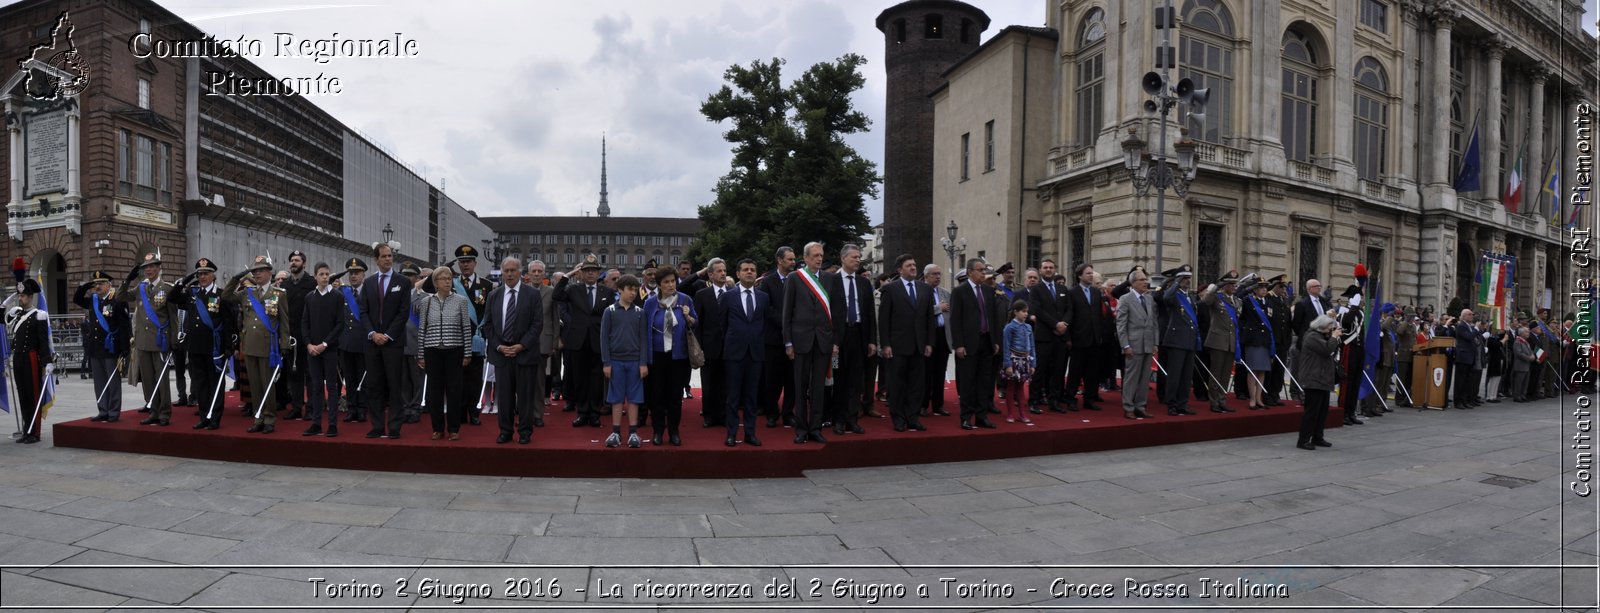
(605, 205)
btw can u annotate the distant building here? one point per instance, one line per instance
(624, 243)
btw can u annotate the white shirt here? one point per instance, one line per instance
(505, 301)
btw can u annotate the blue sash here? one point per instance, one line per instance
(1233, 315)
(274, 359)
(205, 318)
(111, 335)
(150, 312)
(478, 346)
(1194, 320)
(1273, 338)
(350, 303)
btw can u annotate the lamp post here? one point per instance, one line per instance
(1154, 171)
(493, 254)
(953, 247)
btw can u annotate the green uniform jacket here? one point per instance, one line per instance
(254, 339)
(144, 330)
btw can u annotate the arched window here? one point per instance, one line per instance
(933, 26)
(1372, 119)
(1205, 56)
(899, 31)
(1458, 127)
(1091, 76)
(1300, 67)
(968, 32)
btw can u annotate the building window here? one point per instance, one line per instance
(1299, 96)
(1080, 240)
(899, 31)
(1466, 273)
(988, 146)
(622, 259)
(533, 239)
(933, 26)
(1375, 15)
(603, 257)
(1208, 245)
(164, 174)
(125, 164)
(144, 93)
(967, 32)
(1372, 119)
(1205, 56)
(1091, 77)
(677, 241)
(1035, 251)
(966, 141)
(1374, 263)
(658, 240)
(1310, 258)
(144, 171)
(1457, 127)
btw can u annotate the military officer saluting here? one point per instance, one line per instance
(105, 341)
(476, 290)
(352, 344)
(207, 337)
(1222, 338)
(263, 336)
(154, 336)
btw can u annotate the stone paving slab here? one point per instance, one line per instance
(473, 522)
(331, 513)
(594, 525)
(18, 590)
(162, 545)
(163, 585)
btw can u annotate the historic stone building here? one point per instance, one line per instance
(1334, 134)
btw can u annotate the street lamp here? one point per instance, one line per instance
(953, 247)
(1154, 171)
(388, 233)
(491, 253)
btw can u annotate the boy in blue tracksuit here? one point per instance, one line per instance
(625, 358)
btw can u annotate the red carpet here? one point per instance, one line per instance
(559, 450)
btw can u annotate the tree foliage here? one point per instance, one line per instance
(792, 178)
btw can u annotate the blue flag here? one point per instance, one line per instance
(1371, 342)
(1471, 165)
(5, 350)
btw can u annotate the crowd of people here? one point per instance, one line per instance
(804, 346)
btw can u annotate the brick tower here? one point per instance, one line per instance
(923, 39)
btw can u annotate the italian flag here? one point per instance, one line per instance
(1492, 283)
(1513, 197)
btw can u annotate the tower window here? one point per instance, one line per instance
(899, 30)
(933, 26)
(966, 31)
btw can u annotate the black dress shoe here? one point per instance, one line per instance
(163, 423)
(1493, 401)
(941, 412)
(215, 425)
(751, 440)
(538, 422)
(817, 436)
(580, 421)
(731, 442)
(985, 423)
(1322, 443)
(394, 436)
(98, 418)
(1035, 410)
(1173, 413)
(918, 427)
(1185, 411)
(476, 421)
(1090, 406)
(502, 439)
(800, 439)
(674, 440)
(144, 410)
(856, 429)
(254, 428)
(374, 434)
(656, 440)
(838, 429)
(149, 421)
(1306, 446)
(269, 429)
(772, 422)
(1140, 414)
(312, 431)
(1056, 408)
(202, 425)
(524, 439)
(899, 428)
(967, 425)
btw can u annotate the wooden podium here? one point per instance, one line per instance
(1430, 366)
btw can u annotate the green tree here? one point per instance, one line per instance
(792, 179)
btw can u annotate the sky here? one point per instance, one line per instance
(506, 101)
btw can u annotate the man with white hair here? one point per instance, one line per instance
(808, 340)
(1317, 373)
(512, 324)
(1466, 360)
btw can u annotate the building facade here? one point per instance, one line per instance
(158, 161)
(623, 243)
(1335, 134)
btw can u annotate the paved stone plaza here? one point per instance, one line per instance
(1432, 488)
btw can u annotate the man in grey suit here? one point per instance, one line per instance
(808, 340)
(1136, 331)
(547, 337)
(511, 340)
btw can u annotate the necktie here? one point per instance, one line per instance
(1142, 306)
(591, 297)
(911, 290)
(511, 309)
(983, 316)
(749, 304)
(383, 288)
(1052, 287)
(850, 298)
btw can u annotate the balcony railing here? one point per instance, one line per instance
(1384, 193)
(1222, 155)
(1311, 173)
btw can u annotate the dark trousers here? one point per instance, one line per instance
(1046, 384)
(933, 377)
(975, 379)
(906, 373)
(352, 365)
(515, 396)
(263, 401)
(150, 363)
(1403, 369)
(869, 382)
(411, 377)
(1315, 418)
(383, 388)
(444, 372)
(322, 378)
(1273, 385)
(295, 371)
(103, 371)
(584, 386)
(28, 373)
(1083, 371)
(810, 373)
(180, 367)
(471, 387)
(663, 391)
(203, 374)
(536, 388)
(847, 378)
(1219, 362)
(778, 380)
(1466, 384)
(552, 379)
(713, 391)
(743, 389)
(1179, 364)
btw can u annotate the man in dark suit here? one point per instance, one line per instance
(808, 340)
(779, 373)
(1086, 320)
(932, 400)
(1468, 342)
(907, 335)
(1310, 305)
(587, 301)
(854, 322)
(106, 328)
(1050, 311)
(511, 328)
(713, 376)
(386, 303)
(1277, 306)
(743, 312)
(975, 332)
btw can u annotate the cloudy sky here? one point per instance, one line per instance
(507, 100)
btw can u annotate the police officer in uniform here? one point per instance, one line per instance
(476, 290)
(263, 337)
(1355, 354)
(1277, 305)
(352, 344)
(1180, 340)
(154, 336)
(29, 329)
(106, 330)
(207, 337)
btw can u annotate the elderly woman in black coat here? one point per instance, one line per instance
(1318, 372)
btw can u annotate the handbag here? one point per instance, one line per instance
(697, 357)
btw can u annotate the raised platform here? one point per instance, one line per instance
(560, 450)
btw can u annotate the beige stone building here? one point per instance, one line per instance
(1334, 135)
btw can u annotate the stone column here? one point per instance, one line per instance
(1495, 51)
(1537, 77)
(1444, 15)
(1438, 261)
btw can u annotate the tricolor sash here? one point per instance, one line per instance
(816, 291)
